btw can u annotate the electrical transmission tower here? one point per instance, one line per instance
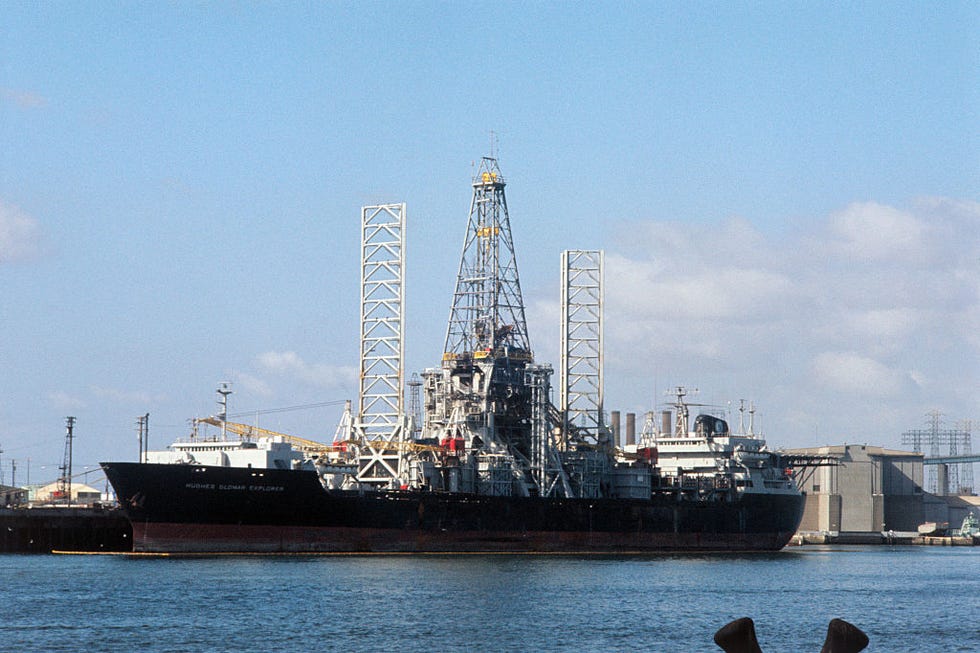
(965, 428)
(935, 438)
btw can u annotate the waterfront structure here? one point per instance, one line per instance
(62, 528)
(869, 490)
(11, 497)
(81, 495)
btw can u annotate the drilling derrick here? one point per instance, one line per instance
(488, 308)
(488, 397)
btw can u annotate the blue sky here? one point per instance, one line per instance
(787, 195)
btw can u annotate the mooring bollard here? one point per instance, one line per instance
(739, 637)
(843, 637)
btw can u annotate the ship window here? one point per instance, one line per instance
(816, 487)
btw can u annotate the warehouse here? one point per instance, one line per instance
(868, 490)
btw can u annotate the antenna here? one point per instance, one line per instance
(682, 424)
(224, 391)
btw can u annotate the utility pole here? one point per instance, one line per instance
(66, 464)
(143, 431)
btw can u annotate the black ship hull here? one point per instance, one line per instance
(198, 509)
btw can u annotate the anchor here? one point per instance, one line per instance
(739, 637)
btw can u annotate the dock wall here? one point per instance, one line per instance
(42, 530)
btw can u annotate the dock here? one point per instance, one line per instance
(45, 529)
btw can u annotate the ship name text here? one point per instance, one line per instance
(234, 487)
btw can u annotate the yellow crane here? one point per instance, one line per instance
(249, 431)
(312, 446)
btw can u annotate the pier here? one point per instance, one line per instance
(42, 530)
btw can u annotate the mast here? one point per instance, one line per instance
(488, 308)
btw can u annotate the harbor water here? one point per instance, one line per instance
(904, 598)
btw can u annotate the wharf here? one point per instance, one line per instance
(807, 537)
(44, 529)
(931, 540)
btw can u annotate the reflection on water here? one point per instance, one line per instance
(904, 598)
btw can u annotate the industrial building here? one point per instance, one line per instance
(81, 495)
(11, 497)
(866, 489)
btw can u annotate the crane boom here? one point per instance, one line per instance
(249, 431)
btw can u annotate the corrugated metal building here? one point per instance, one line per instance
(11, 497)
(871, 489)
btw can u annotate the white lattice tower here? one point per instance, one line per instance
(581, 380)
(380, 414)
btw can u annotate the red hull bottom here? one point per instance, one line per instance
(212, 538)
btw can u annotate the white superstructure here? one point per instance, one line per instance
(262, 453)
(712, 454)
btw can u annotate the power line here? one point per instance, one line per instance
(267, 411)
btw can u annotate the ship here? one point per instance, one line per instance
(485, 462)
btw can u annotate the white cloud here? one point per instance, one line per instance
(288, 363)
(64, 401)
(872, 301)
(20, 235)
(253, 384)
(871, 231)
(852, 373)
(720, 292)
(22, 99)
(133, 397)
